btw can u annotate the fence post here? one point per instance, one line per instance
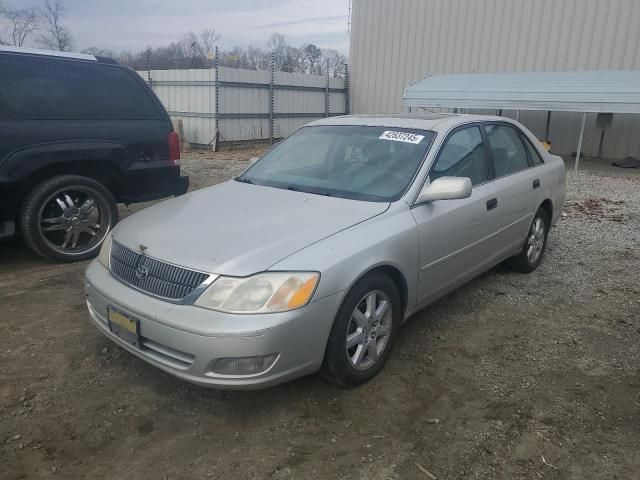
(149, 80)
(326, 94)
(271, 99)
(347, 102)
(216, 99)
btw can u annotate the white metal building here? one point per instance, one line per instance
(397, 42)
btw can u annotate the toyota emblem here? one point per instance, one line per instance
(142, 272)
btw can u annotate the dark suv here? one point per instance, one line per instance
(78, 134)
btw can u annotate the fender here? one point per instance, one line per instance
(19, 163)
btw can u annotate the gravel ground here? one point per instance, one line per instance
(512, 376)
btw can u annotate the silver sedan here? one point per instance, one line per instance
(313, 257)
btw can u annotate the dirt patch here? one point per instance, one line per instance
(512, 376)
(598, 209)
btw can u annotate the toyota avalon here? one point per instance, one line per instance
(313, 257)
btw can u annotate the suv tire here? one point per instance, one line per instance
(67, 217)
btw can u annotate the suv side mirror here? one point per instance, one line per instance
(253, 160)
(445, 188)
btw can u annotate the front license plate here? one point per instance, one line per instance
(125, 327)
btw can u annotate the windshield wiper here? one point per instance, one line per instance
(295, 188)
(244, 180)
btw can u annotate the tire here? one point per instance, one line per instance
(66, 218)
(341, 362)
(528, 260)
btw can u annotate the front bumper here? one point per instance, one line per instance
(185, 340)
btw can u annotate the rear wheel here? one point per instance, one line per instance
(535, 245)
(363, 331)
(66, 218)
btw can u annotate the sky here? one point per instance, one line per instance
(137, 24)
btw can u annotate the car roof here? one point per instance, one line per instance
(433, 121)
(55, 54)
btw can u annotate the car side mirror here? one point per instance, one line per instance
(253, 160)
(445, 188)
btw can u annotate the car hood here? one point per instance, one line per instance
(238, 229)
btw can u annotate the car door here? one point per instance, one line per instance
(456, 235)
(517, 184)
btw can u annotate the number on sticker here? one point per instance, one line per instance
(401, 137)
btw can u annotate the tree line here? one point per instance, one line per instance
(44, 27)
(197, 50)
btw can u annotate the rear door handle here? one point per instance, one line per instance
(491, 204)
(536, 183)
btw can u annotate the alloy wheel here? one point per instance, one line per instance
(74, 220)
(535, 240)
(368, 330)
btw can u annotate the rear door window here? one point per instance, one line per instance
(38, 88)
(463, 155)
(509, 154)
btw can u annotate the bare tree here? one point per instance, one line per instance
(200, 46)
(278, 46)
(334, 61)
(55, 36)
(21, 23)
(311, 56)
(2, 10)
(208, 38)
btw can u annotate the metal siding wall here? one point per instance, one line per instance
(197, 102)
(397, 42)
(243, 100)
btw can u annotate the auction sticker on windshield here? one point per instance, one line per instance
(401, 137)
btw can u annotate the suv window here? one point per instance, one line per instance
(463, 155)
(508, 151)
(54, 89)
(533, 151)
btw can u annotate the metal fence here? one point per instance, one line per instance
(224, 105)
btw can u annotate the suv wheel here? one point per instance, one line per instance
(66, 218)
(363, 331)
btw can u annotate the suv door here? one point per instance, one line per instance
(455, 235)
(517, 184)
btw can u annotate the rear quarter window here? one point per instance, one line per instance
(38, 88)
(536, 159)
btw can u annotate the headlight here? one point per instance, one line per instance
(261, 293)
(105, 251)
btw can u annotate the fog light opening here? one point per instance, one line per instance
(243, 365)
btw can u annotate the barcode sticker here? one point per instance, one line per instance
(401, 137)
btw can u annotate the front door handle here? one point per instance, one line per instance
(536, 183)
(491, 204)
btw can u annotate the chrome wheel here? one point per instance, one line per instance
(368, 330)
(535, 240)
(74, 220)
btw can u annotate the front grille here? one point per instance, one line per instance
(159, 278)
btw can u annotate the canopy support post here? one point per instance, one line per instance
(584, 121)
(546, 135)
(517, 115)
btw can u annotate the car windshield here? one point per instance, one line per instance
(348, 161)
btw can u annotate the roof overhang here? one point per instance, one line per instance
(611, 91)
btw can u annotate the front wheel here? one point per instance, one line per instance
(535, 245)
(66, 218)
(363, 331)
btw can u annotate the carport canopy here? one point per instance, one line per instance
(610, 91)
